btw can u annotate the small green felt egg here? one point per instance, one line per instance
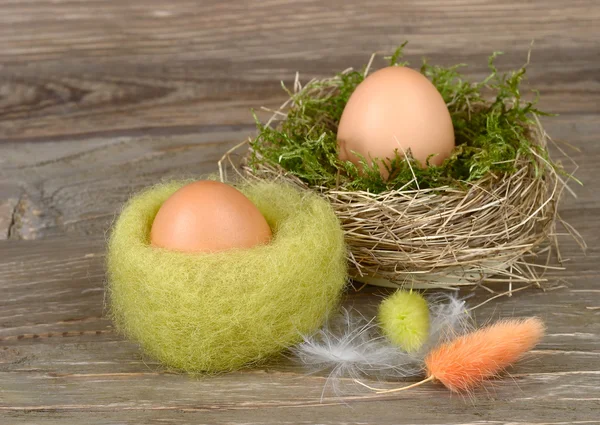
(404, 319)
(212, 312)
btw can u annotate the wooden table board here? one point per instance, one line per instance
(101, 98)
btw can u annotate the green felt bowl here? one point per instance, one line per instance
(211, 312)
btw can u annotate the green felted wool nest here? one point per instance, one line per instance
(211, 312)
(484, 214)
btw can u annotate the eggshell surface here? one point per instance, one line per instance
(208, 216)
(396, 108)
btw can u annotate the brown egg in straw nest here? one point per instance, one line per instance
(487, 214)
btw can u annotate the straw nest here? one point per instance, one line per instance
(496, 228)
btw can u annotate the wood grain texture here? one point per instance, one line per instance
(72, 67)
(77, 186)
(101, 98)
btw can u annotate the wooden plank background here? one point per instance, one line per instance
(101, 98)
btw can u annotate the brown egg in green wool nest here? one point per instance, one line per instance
(395, 108)
(222, 309)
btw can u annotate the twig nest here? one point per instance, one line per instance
(211, 312)
(446, 237)
(484, 214)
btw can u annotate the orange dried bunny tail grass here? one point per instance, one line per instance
(467, 361)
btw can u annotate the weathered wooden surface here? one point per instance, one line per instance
(101, 98)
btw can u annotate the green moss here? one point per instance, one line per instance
(212, 312)
(491, 122)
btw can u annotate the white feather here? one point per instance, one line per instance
(350, 346)
(448, 318)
